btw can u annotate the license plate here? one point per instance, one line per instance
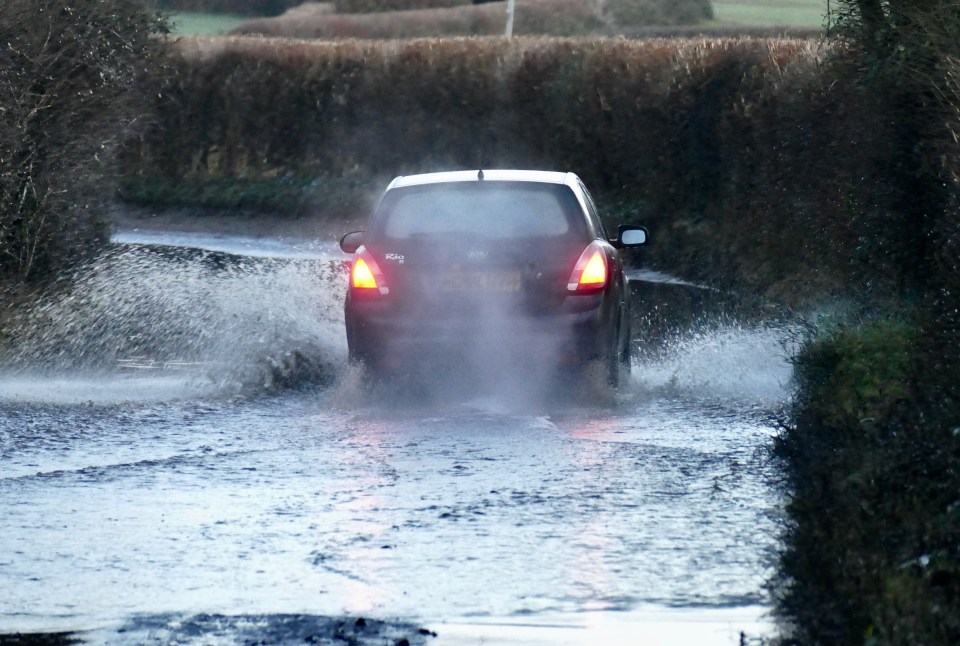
(481, 281)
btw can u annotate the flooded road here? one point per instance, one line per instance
(181, 437)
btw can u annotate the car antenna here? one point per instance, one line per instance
(480, 175)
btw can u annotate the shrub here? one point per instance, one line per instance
(856, 378)
(422, 18)
(555, 17)
(242, 7)
(870, 552)
(375, 6)
(873, 458)
(71, 76)
(624, 13)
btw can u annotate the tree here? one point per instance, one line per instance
(907, 53)
(872, 555)
(71, 80)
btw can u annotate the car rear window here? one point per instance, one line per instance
(496, 210)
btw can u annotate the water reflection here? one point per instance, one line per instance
(596, 512)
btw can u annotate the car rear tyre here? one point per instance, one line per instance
(619, 364)
(618, 370)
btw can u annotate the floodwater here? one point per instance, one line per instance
(185, 457)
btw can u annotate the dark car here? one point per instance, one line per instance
(462, 268)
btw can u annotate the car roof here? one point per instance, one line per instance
(494, 175)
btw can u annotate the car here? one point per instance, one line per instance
(466, 267)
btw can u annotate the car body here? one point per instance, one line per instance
(466, 266)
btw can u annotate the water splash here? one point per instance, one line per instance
(196, 318)
(732, 361)
(153, 323)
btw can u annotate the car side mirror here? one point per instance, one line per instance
(631, 236)
(350, 242)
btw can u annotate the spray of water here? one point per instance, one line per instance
(146, 324)
(207, 322)
(723, 360)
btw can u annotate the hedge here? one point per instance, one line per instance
(751, 165)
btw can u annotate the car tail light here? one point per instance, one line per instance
(590, 273)
(365, 274)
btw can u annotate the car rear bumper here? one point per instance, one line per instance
(380, 337)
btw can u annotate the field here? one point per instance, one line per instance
(190, 23)
(770, 13)
(803, 14)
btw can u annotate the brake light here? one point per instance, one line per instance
(365, 275)
(362, 276)
(590, 273)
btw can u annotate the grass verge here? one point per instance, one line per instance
(871, 551)
(289, 196)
